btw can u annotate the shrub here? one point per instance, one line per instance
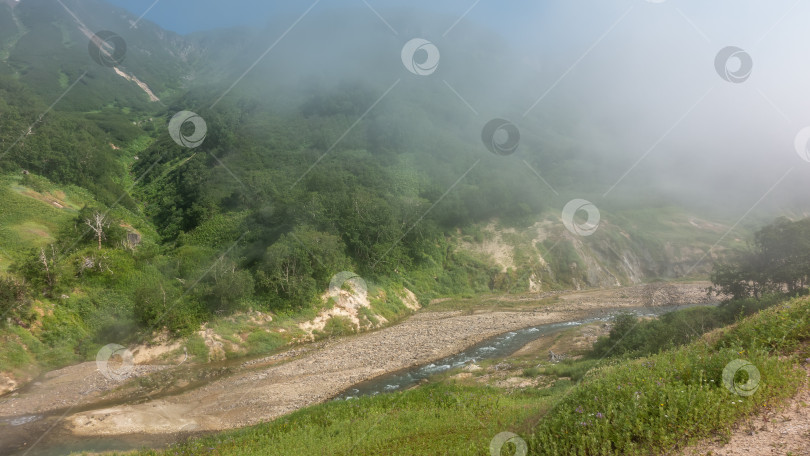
(195, 345)
(338, 326)
(261, 341)
(632, 337)
(14, 299)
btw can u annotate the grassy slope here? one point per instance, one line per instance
(672, 398)
(32, 212)
(25, 221)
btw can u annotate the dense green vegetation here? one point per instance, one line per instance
(633, 337)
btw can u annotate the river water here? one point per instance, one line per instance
(496, 347)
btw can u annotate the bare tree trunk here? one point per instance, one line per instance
(43, 258)
(97, 224)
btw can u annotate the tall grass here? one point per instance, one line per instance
(436, 419)
(678, 396)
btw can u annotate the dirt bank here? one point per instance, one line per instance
(258, 391)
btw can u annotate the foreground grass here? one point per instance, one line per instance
(639, 406)
(677, 397)
(436, 419)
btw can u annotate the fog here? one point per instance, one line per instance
(632, 88)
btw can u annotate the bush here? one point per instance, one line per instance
(14, 300)
(338, 326)
(632, 337)
(261, 341)
(195, 345)
(159, 305)
(298, 267)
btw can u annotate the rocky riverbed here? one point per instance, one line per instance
(264, 389)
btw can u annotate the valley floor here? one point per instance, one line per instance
(82, 403)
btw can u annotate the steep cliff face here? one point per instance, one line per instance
(625, 250)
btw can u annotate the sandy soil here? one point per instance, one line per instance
(783, 431)
(259, 391)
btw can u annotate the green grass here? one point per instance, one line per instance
(638, 406)
(649, 405)
(14, 355)
(24, 222)
(195, 345)
(437, 419)
(261, 341)
(338, 326)
(575, 369)
(677, 397)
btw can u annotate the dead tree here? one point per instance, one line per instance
(97, 223)
(47, 263)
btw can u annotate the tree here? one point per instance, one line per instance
(47, 263)
(299, 266)
(778, 260)
(225, 287)
(784, 248)
(98, 223)
(14, 300)
(41, 269)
